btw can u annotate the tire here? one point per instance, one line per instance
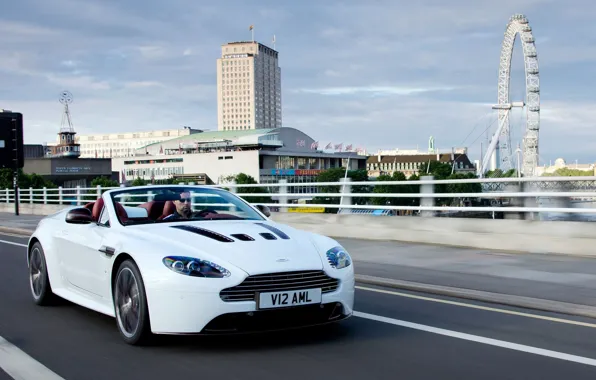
(129, 297)
(39, 281)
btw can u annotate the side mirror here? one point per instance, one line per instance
(79, 215)
(265, 210)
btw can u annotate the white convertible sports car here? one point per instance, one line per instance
(175, 259)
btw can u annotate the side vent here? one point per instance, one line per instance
(268, 235)
(243, 237)
(207, 233)
(275, 231)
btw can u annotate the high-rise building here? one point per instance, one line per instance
(248, 87)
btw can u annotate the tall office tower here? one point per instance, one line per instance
(248, 87)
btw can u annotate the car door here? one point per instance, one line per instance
(82, 258)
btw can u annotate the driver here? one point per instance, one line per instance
(183, 208)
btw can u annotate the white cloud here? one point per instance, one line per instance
(143, 84)
(152, 52)
(372, 90)
(78, 82)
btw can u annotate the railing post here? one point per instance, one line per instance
(30, 195)
(427, 201)
(283, 189)
(60, 196)
(98, 187)
(45, 195)
(78, 195)
(234, 189)
(346, 188)
(527, 201)
(514, 202)
(7, 195)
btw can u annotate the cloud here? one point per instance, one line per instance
(398, 71)
(143, 84)
(152, 52)
(372, 90)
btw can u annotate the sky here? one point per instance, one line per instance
(375, 74)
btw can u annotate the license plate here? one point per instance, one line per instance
(289, 298)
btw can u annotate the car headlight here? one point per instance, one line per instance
(338, 258)
(191, 266)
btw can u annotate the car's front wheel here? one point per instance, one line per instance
(130, 304)
(39, 281)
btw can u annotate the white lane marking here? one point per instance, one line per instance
(479, 339)
(13, 243)
(503, 311)
(18, 365)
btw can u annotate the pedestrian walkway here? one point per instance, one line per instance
(21, 221)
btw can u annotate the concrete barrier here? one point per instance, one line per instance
(556, 237)
(32, 208)
(573, 238)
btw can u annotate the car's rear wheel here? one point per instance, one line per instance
(130, 304)
(39, 281)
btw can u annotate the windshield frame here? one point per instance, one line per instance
(167, 193)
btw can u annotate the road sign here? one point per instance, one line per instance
(11, 140)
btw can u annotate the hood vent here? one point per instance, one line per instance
(243, 237)
(268, 235)
(207, 233)
(276, 231)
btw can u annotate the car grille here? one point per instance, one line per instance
(274, 282)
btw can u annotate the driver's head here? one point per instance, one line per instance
(183, 205)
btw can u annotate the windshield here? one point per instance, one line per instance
(170, 204)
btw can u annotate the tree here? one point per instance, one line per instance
(139, 182)
(395, 189)
(498, 173)
(245, 179)
(568, 172)
(25, 180)
(104, 182)
(334, 175)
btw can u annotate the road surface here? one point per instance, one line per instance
(394, 334)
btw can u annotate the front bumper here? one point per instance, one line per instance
(176, 311)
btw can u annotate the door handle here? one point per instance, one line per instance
(108, 251)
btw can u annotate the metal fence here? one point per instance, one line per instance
(542, 195)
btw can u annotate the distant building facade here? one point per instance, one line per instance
(268, 155)
(410, 164)
(109, 145)
(248, 87)
(561, 164)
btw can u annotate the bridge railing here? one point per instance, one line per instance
(542, 195)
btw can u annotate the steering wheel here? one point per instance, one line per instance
(205, 212)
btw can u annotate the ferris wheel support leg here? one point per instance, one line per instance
(493, 143)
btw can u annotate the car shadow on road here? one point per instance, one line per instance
(351, 330)
(348, 331)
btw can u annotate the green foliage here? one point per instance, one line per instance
(139, 182)
(334, 175)
(395, 189)
(25, 180)
(104, 182)
(567, 172)
(439, 170)
(245, 179)
(498, 173)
